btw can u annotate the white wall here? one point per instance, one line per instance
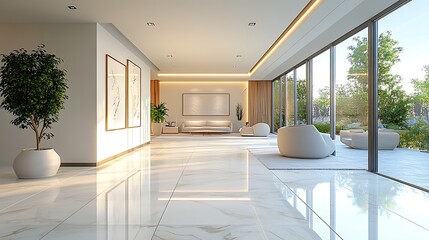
(75, 136)
(111, 41)
(171, 93)
(80, 135)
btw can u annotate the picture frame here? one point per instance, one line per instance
(133, 95)
(115, 94)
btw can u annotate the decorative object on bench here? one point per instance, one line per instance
(387, 140)
(304, 141)
(207, 126)
(170, 124)
(257, 130)
(239, 114)
(158, 114)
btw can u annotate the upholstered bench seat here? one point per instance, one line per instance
(207, 126)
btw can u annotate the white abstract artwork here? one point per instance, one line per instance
(205, 104)
(115, 94)
(134, 92)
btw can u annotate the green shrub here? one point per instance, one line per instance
(323, 127)
(417, 137)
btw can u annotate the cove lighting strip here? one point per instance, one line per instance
(205, 199)
(302, 16)
(203, 74)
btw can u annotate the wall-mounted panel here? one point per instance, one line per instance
(205, 104)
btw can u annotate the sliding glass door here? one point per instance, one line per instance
(403, 88)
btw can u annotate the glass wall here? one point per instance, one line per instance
(351, 85)
(301, 94)
(283, 101)
(351, 97)
(403, 78)
(403, 95)
(321, 92)
(290, 96)
(276, 104)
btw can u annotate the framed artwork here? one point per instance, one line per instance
(205, 104)
(133, 95)
(115, 94)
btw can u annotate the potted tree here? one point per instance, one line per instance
(33, 89)
(158, 114)
(239, 114)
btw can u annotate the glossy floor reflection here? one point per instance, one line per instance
(208, 187)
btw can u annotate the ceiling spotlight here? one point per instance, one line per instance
(238, 56)
(72, 7)
(151, 24)
(252, 24)
(169, 55)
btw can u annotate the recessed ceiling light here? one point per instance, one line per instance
(151, 24)
(252, 24)
(238, 56)
(169, 55)
(72, 7)
(302, 16)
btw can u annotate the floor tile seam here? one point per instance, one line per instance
(387, 209)
(86, 204)
(320, 217)
(260, 227)
(350, 190)
(305, 203)
(405, 218)
(47, 187)
(171, 195)
(67, 218)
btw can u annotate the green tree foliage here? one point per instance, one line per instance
(301, 100)
(276, 104)
(421, 94)
(357, 86)
(394, 104)
(289, 101)
(321, 104)
(33, 89)
(352, 98)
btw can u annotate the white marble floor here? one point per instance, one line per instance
(208, 187)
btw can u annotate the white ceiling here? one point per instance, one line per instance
(205, 36)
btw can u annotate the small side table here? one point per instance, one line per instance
(170, 130)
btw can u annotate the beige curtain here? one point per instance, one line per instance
(259, 102)
(154, 92)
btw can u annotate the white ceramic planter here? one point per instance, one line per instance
(156, 129)
(239, 125)
(31, 163)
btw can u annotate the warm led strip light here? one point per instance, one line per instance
(311, 6)
(205, 199)
(203, 74)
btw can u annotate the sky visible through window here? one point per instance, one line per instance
(409, 26)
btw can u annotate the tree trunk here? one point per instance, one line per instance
(37, 139)
(38, 144)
